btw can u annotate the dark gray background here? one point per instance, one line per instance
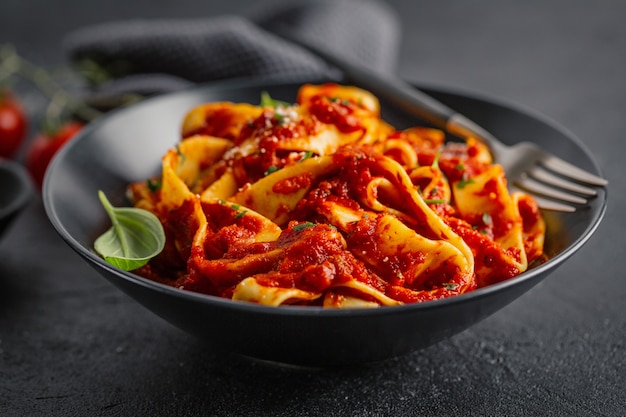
(72, 344)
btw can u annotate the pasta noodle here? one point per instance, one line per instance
(323, 203)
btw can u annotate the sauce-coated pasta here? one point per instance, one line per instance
(324, 203)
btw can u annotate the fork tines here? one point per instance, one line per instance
(559, 180)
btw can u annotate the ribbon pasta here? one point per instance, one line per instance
(323, 203)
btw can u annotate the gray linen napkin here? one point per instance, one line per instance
(155, 56)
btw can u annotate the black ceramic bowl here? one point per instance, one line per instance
(15, 191)
(127, 145)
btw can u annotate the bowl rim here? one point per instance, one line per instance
(24, 186)
(550, 264)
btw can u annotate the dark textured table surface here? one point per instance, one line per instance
(72, 344)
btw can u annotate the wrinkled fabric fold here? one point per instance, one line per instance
(150, 56)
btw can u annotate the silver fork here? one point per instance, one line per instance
(556, 184)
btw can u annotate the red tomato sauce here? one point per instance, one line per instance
(336, 112)
(364, 190)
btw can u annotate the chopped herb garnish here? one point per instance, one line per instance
(235, 206)
(268, 101)
(303, 226)
(306, 155)
(344, 102)
(451, 286)
(434, 200)
(487, 218)
(464, 182)
(181, 155)
(460, 166)
(279, 118)
(271, 169)
(241, 214)
(154, 185)
(435, 163)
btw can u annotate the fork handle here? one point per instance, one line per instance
(399, 93)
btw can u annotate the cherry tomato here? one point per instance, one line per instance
(45, 146)
(13, 125)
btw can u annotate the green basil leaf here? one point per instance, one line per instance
(135, 237)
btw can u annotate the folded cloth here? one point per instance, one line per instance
(155, 56)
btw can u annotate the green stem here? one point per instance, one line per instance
(12, 64)
(9, 62)
(54, 111)
(108, 207)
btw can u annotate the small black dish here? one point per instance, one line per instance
(127, 146)
(16, 190)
